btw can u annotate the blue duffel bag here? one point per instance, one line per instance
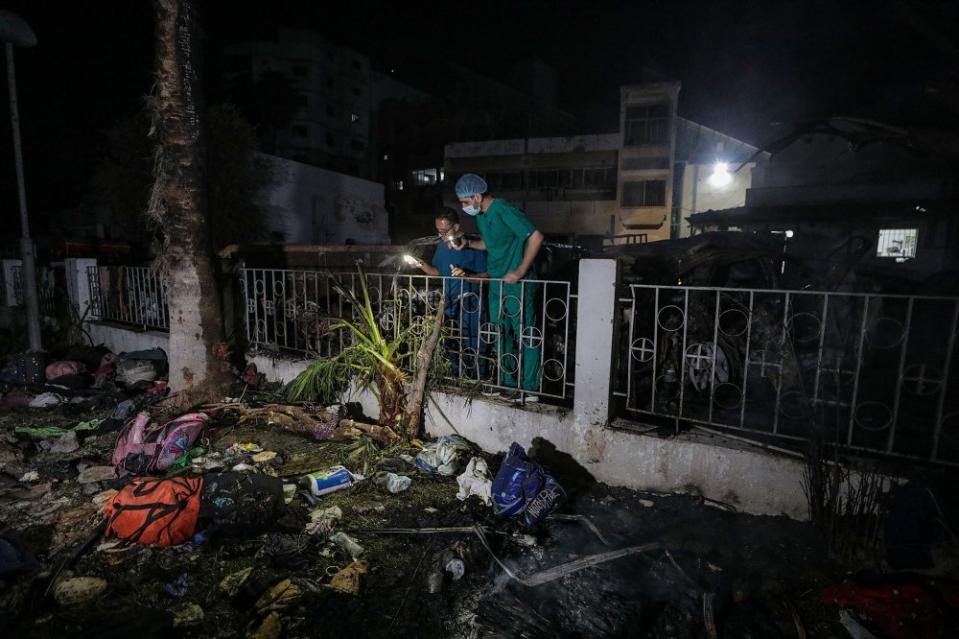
(522, 487)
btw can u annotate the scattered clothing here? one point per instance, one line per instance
(475, 481)
(444, 456)
(62, 368)
(46, 400)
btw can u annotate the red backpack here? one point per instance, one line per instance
(143, 448)
(149, 510)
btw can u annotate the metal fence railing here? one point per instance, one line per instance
(502, 336)
(46, 288)
(128, 294)
(868, 372)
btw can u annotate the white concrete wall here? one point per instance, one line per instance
(309, 205)
(122, 339)
(752, 480)
(699, 195)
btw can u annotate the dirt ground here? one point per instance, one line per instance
(759, 576)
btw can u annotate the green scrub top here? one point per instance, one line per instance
(504, 229)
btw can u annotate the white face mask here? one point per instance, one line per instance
(472, 211)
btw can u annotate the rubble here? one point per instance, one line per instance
(76, 591)
(355, 558)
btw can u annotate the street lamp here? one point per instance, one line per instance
(14, 31)
(720, 176)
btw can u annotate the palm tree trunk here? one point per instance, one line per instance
(198, 355)
(414, 402)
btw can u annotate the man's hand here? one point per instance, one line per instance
(458, 272)
(513, 276)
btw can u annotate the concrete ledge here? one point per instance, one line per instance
(754, 481)
(120, 338)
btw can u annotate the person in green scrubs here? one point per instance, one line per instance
(511, 243)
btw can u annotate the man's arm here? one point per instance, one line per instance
(429, 269)
(533, 243)
(476, 245)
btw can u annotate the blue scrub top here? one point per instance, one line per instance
(470, 260)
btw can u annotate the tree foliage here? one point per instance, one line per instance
(375, 360)
(235, 177)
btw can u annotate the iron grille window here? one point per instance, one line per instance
(647, 124)
(645, 164)
(898, 243)
(644, 193)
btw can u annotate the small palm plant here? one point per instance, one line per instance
(372, 360)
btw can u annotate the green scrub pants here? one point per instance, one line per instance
(512, 309)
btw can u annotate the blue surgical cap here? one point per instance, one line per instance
(469, 185)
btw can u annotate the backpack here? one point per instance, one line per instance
(522, 487)
(239, 504)
(516, 483)
(149, 510)
(142, 449)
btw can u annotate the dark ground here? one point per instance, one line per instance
(759, 571)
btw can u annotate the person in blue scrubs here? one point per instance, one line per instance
(464, 299)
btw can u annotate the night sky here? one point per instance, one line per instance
(753, 69)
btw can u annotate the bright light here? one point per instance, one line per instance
(789, 233)
(720, 176)
(409, 259)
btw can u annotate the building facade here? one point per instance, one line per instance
(630, 186)
(309, 205)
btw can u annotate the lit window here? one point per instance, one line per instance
(398, 185)
(897, 243)
(386, 156)
(354, 117)
(425, 177)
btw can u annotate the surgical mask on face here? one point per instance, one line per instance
(471, 210)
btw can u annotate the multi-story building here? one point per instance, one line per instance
(337, 94)
(634, 185)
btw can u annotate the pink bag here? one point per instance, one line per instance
(144, 449)
(64, 367)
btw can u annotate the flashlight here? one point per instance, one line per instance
(409, 259)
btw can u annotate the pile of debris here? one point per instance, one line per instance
(257, 518)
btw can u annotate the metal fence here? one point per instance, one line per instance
(869, 372)
(46, 288)
(128, 294)
(495, 334)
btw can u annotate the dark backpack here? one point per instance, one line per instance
(240, 504)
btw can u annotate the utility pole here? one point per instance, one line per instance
(15, 31)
